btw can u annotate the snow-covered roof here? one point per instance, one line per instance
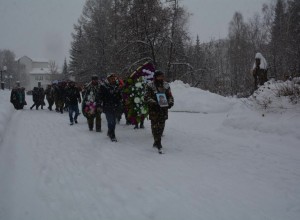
(40, 71)
(37, 60)
(40, 60)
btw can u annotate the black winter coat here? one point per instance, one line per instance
(109, 98)
(72, 96)
(38, 95)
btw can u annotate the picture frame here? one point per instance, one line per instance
(162, 99)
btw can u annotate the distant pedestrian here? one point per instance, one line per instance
(38, 96)
(59, 97)
(17, 96)
(49, 92)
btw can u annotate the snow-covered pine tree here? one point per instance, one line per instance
(278, 40)
(293, 40)
(238, 54)
(77, 54)
(121, 35)
(65, 70)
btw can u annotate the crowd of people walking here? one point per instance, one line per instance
(102, 97)
(139, 98)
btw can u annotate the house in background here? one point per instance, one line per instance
(37, 71)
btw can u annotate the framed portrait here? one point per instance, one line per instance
(162, 99)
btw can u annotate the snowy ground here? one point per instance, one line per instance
(224, 162)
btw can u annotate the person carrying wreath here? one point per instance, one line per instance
(89, 109)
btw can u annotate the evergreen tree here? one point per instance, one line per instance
(197, 60)
(238, 53)
(8, 59)
(65, 71)
(278, 42)
(77, 65)
(293, 42)
(120, 35)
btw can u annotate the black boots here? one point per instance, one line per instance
(157, 144)
(111, 135)
(142, 125)
(98, 128)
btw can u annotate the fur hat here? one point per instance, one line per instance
(158, 73)
(94, 77)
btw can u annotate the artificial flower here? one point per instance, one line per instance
(138, 85)
(137, 100)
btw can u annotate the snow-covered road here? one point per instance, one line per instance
(215, 167)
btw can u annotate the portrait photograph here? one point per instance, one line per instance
(162, 99)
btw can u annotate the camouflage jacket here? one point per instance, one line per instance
(49, 92)
(155, 111)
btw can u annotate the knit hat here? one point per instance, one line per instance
(94, 77)
(158, 73)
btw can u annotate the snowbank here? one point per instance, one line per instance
(277, 96)
(6, 111)
(268, 111)
(234, 164)
(264, 123)
(192, 99)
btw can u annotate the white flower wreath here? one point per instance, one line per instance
(138, 85)
(143, 110)
(137, 100)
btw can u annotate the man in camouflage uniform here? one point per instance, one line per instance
(89, 108)
(38, 96)
(49, 96)
(158, 114)
(59, 97)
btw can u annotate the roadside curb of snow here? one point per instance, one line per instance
(6, 112)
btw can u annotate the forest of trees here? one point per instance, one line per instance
(120, 35)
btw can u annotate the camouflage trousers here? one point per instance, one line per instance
(50, 103)
(59, 105)
(157, 128)
(98, 122)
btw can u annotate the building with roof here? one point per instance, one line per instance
(37, 71)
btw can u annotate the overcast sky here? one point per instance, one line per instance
(42, 28)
